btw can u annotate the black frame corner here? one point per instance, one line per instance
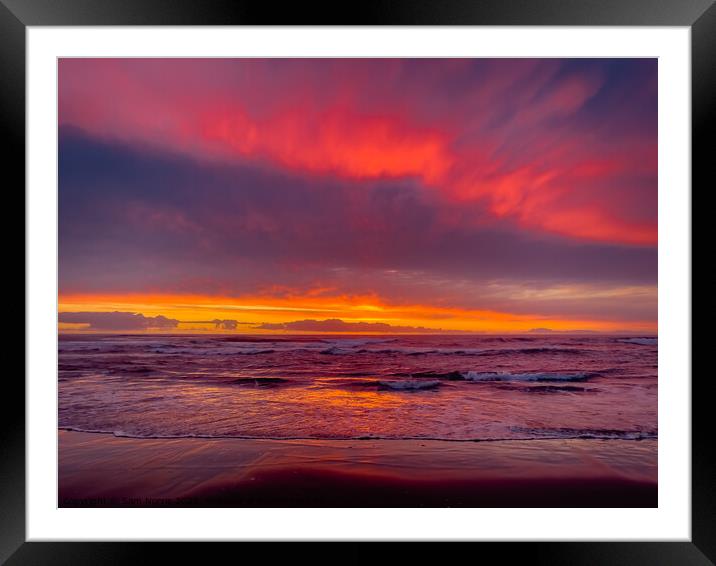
(699, 15)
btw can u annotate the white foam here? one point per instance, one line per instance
(642, 341)
(502, 376)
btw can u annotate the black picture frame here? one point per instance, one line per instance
(699, 15)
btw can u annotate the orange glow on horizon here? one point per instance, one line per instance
(253, 311)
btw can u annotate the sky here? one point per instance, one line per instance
(358, 195)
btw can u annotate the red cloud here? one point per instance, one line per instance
(334, 140)
(514, 134)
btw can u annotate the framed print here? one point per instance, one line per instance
(424, 275)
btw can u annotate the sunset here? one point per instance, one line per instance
(357, 283)
(465, 195)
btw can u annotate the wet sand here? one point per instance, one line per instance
(100, 470)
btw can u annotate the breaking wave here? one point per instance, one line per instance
(518, 434)
(504, 376)
(592, 433)
(640, 341)
(410, 385)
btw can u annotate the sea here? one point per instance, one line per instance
(442, 387)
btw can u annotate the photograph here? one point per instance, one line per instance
(357, 282)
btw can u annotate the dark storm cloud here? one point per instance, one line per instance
(118, 320)
(132, 219)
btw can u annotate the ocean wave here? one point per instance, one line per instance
(386, 384)
(522, 434)
(433, 379)
(410, 385)
(641, 341)
(370, 346)
(447, 375)
(416, 351)
(545, 389)
(337, 351)
(535, 376)
(259, 381)
(131, 369)
(544, 350)
(586, 433)
(356, 342)
(217, 351)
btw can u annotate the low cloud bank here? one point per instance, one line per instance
(118, 320)
(549, 331)
(226, 324)
(338, 325)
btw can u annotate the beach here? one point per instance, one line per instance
(357, 421)
(103, 470)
